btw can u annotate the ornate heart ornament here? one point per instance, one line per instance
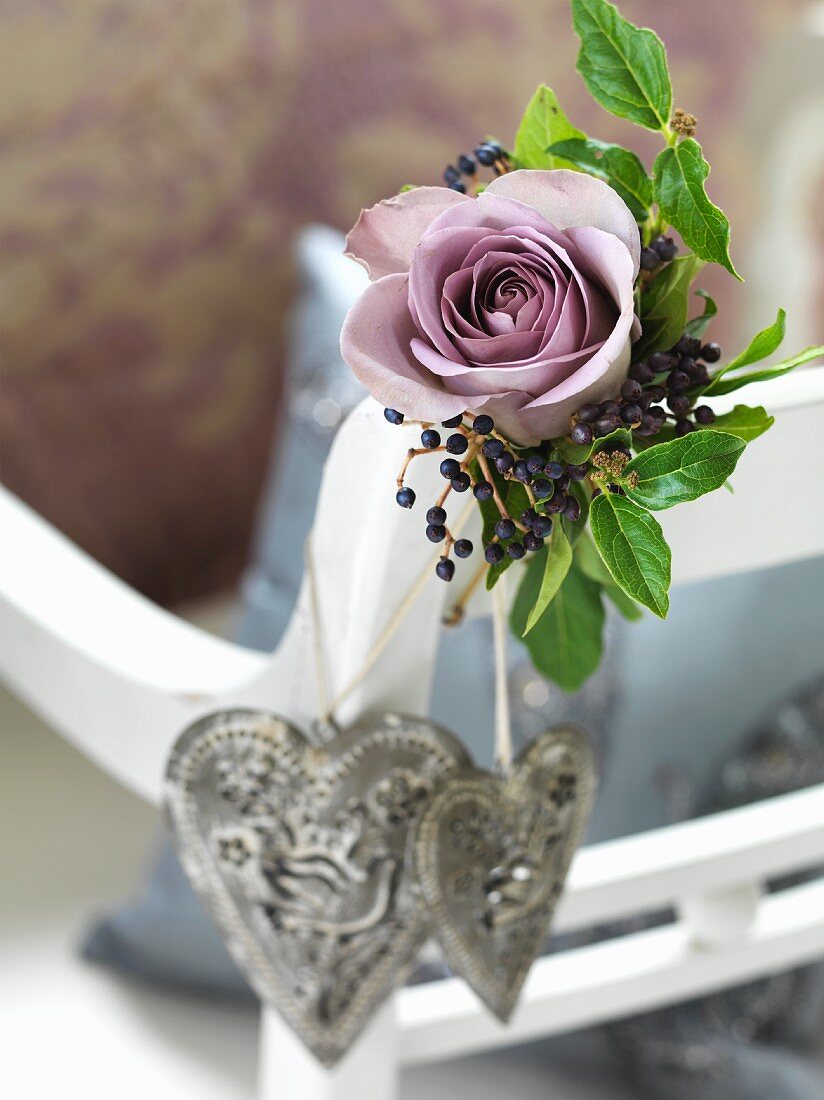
(302, 856)
(492, 855)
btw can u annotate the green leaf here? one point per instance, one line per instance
(698, 325)
(764, 343)
(576, 453)
(617, 166)
(558, 561)
(543, 124)
(745, 422)
(624, 67)
(729, 385)
(683, 469)
(664, 305)
(633, 548)
(679, 173)
(590, 563)
(566, 643)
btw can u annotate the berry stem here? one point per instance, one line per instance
(413, 452)
(454, 616)
(496, 496)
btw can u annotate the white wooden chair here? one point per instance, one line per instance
(120, 678)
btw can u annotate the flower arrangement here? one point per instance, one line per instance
(533, 317)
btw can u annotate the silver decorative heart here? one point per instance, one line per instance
(492, 855)
(301, 855)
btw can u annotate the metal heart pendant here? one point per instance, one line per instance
(492, 855)
(301, 856)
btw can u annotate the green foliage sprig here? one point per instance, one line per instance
(558, 610)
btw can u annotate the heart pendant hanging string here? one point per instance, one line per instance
(503, 726)
(327, 706)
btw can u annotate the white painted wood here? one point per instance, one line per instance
(654, 869)
(620, 977)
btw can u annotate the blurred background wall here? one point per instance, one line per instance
(157, 159)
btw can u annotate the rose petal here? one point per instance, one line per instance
(385, 235)
(570, 199)
(375, 342)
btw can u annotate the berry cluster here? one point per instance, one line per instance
(660, 251)
(546, 483)
(489, 154)
(675, 377)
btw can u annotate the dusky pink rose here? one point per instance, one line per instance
(517, 303)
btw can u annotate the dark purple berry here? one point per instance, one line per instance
(704, 415)
(561, 482)
(678, 382)
(679, 404)
(710, 353)
(483, 424)
(542, 526)
(494, 553)
(657, 413)
(554, 470)
(451, 174)
(458, 186)
(641, 372)
(435, 533)
(467, 165)
(581, 433)
(528, 517)
(486, 153)
(666, 248)
(631, 414)
(556, 504)
(461, 482)
(701, 376)
(405, 497)
(492, 448)
(457, 444)
(445, 569)
(684, 427)
(588, 413)
(688, 345)
(505, 528)
(572, 508)
(483, 490)
(631, 390)
(607, 424)
(532, 541)
(648, 426)
(649, 259)
(504, 463)
(430, 439)
(535, 464)
(453, 421)
(577, 473)
(543, 488)
(463, 548)
(516, 550)
(656, 393)
(610, 408)
(521, 471)
(661, 361)
(450, 468)
(687, 364)
(436, 515)
(393, 416)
